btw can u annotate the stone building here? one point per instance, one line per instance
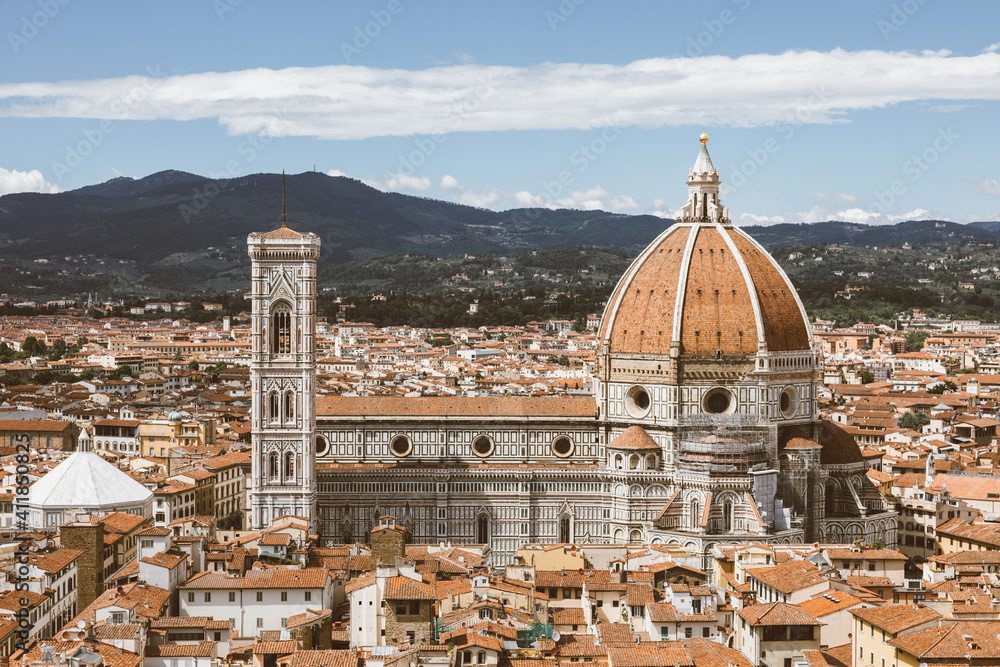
(703, 428)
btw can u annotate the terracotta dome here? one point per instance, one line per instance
(706, 286)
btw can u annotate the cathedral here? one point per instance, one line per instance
(703, 428)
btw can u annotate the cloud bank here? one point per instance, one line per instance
(353, 102)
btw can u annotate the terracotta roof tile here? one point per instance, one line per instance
(777, 613)
(634, 438)
(894, 618)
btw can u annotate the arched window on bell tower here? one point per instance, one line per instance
(289, 407)
(272, 407)
(273, 467)
(289, 467)
(281, 330)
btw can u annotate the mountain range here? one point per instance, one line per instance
(142, 230)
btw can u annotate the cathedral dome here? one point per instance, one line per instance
(704, 287)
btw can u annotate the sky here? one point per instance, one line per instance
(864, 111)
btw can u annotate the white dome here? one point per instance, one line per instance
(86, 481)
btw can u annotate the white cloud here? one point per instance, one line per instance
(335, 172)
(450, 184)
(850, 199)
(817, 213)
(354, 102)
(992, 48)
(763, 219)
(989, 187)
(623, 203)
(396, 182)
(12, 180)
(866, 217)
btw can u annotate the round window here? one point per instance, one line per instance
(322, 444)
(562, 446)
(718, 401)
(637, 401)
(401, 445)
(788, 402)
(482, 445)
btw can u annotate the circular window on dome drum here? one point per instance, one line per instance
(788, 402)
(637, 401)
(401, 445)
(718, 401)
(562, 446)
(322, 444)
(482, 445)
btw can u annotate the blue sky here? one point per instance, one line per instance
(863, 111)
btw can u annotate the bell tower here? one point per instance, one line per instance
(283, 374)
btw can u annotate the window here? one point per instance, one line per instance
(208, 597)
(260, 623)
(411, 637)
(704, 631)
(284, 596)
(309, 596)
(117, 617)
(414, 607)
(190, 597)
(687, 632)
(284, 622)
(481, 658)
(664, 632)
(281, 330)
(232, 597)
(146, 544)
(400, 609)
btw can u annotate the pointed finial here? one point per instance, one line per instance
(704, 137)
(284, 220)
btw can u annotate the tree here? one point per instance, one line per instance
(913, 421)
(193, 365)
(942, 387)
(867, 376)
(915, 340)
(58, 350)
(122, 372)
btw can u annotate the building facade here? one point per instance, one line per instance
(703, 428)
(283, 374)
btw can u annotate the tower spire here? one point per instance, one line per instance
(284, 220)
(703, 203)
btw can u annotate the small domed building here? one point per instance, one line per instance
(84, 482)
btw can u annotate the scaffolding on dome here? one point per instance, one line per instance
(733, 443)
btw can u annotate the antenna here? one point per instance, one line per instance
(284, 220)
